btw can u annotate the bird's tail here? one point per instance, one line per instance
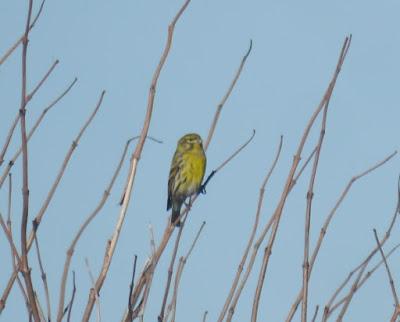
(176, 212)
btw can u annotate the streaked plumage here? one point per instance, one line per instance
(186, 174)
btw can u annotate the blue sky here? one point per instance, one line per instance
(116, 46)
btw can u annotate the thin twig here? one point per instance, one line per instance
(226, 96)
(205, 316)
(353, 290)
(9, 203)
(71, 302)
(20, 40)
(396, 313)
(178, 276)
(38, 217)
(44, 279)
(8, 234)
(304, 166)
(130, 307)
(331, 308)
(170, 271)
(32, 131)
(234, 154)
(252, 235)
(328, 220)
(82, 228)
(152, 240)
(42, 80)
(17, 118)
(91, 276)
(391, 282)
(315, 314)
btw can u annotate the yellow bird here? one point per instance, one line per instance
(186, 174)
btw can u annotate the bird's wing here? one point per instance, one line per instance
(173, 174)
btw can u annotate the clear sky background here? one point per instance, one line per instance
(116, 45)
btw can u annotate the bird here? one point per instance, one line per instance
(186, 174)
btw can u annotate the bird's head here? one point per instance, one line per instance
(190, 141)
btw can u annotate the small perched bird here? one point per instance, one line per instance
(186, 174)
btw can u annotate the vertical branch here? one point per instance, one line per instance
(44, 279)
(315, 314)
(111, 243)
(178, 275)
(170, 270)
(205, 316)
(71, 302)
(278, 211)
(97, 295)
(9, 202)
(130, 307)
(310, 194)
(25, 184)
(395, 297)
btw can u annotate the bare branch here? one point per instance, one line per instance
(205, 316)
(130, 307)
(41, 212)
(329, 308)
(310, 194)
(251, 239)
(44, 279)
(178, 276)
(315, 314)
(226, 96)
(170, 270)
(91, 276)
(8, 234)
(88, 220)
(111, 243)
(32, 131)
(234, 154)
(41, 82)
(396, 313)
(20, 40)
(39, 216)
(9, 202)
(71, 302)
(278, 211)
(25, 185)
(27, 99)
(328, 219)
(395, 297)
